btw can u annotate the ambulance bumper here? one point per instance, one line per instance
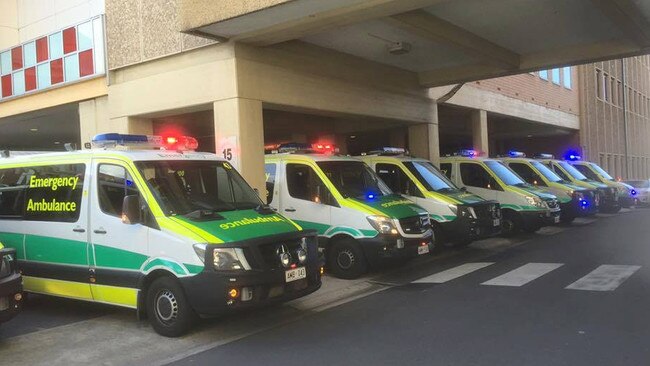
(388, 248)
(9, 287)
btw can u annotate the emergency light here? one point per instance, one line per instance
(516, 154)
(177, 143)
(469, 153)
(545, 156)
(293, 147)
(572, 156)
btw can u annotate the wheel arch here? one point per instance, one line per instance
(145, 282)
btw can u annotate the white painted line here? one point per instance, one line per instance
(604, 278)
(453, 273)
(523, 274)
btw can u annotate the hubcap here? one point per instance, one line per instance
(166, 306)
(345, 259)
(508, 225)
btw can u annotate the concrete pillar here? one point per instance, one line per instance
(424, 140)
(239, 133)
(480, 132)
(93, 118)
(134, 125)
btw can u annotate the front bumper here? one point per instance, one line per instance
(264, 284)
(9, 287)
(387, 248)
(536, 219)
(463, 229)
(627, 201)
(576, 208)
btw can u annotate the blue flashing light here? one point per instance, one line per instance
(516, 154)
(572, 155)
(120, 138)
(633, 192)
(584, 203)
(468, 153)
(370, 196)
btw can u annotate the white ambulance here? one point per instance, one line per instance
(146, 223)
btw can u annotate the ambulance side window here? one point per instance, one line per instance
(445, 168)
(586, 172)
(13, 183)
(397, 180)
(114, 183)
(527, 174)
(559, 172)
(304, 184)
(270, 171)
(474, 175)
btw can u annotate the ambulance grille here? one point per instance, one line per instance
(414, 225)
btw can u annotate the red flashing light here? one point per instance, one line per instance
(180, 143)
(324, 148)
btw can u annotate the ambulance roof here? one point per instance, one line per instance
(313, 157)
(132, 155)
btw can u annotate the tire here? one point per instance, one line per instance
(510, 224)
(168, 310)
(345, 259)
(439, 243)
(564, 220)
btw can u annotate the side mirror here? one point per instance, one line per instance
(131, 213)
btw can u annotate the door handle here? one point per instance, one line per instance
(99, 231)
(290, 209)
(79, 230)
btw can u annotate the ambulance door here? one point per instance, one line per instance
(479, 181)
(119, 249)
(305, 198)
(56, 229)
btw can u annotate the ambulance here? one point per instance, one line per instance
(607, 196)
(145, 222)
(457, 216)
(523, 206)
(626, 193)
(574, 201)
(361, 222)
(11, 285)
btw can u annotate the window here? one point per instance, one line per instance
(114, 183)
(606, 91)
(430, 177)
(397, 180)
(599, 85)
(504, 173)
(445, 168)
(354, 179)
(474, 175)
(555, 76)
(543, 74)
(566, 77)
(527, 174)
(587, 172)
(270, 171)
(42, 193)
(614, 91)
(562, 174)
(304, 184)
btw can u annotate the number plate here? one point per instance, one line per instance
(295, 274)
(496, 222)
(423, 249)
(4, 303)
(556, 219)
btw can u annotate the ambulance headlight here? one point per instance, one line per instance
(454, 209)
(302, 255)
(383, 224)
(229, 259)
(536, 201)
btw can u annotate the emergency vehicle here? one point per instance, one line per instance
(11, 285)
(607, 196)
(457, 216)
(360, 221)
(574, 201)
(626, 193)
(523, 206)
(145, 222)
(642, 187)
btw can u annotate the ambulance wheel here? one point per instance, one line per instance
(345, 259)
(439, 243)
(510, 224)
(168, 311)
(567, 220)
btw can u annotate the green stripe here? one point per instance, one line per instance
(175, 267)
(11, 240)
(55, 250)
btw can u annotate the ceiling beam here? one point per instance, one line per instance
(314, 23)
(627, 17)
(426, 25)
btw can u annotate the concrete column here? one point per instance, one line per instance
(480, 132)
(239, 133)
(134, 125)
(93, 118)
(424, 140)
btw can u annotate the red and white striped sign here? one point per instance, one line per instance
(66, 56)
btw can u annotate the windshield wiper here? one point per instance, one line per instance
(203, 215)
(446, 189)
(264, 209)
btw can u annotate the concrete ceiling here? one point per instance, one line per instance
(453, 40)
(44, 130)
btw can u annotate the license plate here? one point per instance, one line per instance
(423, 249)
(556, 219)
(295, 274)
(4, 303)
(496, 222)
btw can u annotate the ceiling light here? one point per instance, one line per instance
(57, 142)
(34, 129)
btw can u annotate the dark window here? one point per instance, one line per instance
(474, 175)
(559, 172)
(353, 178)
(397, 180)
(445, 168)
(527, 174)
(587, 172)
(270, 170)
(13, 183)
(114, 183)
(304, 184)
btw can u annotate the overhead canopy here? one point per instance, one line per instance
(443, 41)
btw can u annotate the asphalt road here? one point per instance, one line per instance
(578, 297)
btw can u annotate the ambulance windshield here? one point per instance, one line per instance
(187, 187)
(354, 179)
(430, 177)
(575, 173)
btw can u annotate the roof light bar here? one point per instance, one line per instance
(469, 153)
(114, 140)
(516, 154)
(545, 156)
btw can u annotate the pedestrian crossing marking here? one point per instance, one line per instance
(604, 278)
(453, 273)
(523, 275)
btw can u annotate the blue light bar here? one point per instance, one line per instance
(545, 156)
(468, 153)
(516, 154)
(120, 138)
(393, 150)
(572, 155)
